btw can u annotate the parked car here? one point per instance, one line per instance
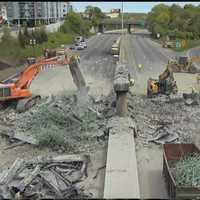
(79, 46)
(79, 39)
(72, 47)
(84, 44)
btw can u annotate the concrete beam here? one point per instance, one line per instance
(121, 87)
(121, 180)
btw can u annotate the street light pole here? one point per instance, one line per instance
(122, 18)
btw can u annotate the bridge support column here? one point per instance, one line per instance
(129, 28)
(101, 28)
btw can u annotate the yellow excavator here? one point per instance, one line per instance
(164, 85)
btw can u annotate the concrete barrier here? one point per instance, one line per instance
(121, 179)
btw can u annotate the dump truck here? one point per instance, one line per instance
(172, 154)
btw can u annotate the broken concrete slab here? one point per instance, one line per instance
(121, 180)
(40, 177)
(121, 82)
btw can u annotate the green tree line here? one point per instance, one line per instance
(16, 50)
(181, 22)
(39, 35)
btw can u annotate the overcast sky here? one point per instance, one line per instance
(106, 6)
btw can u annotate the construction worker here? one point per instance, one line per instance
(131, 80)
(140, 66)
(78, 58)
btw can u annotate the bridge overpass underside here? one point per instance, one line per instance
(102, 27)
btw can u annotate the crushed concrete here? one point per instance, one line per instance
(164, 120)
(63, 123)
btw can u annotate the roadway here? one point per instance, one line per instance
(96, 64)
(98, 69)
(154, 58)
(150, 54)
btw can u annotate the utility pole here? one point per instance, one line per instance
(35, 14)
(122, 18)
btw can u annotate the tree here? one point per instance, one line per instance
(74, 23)
(21, 39)
(184, 22)
(27, 36)
(95, 14)
(26, 33)
(43, 34)
(6, 35)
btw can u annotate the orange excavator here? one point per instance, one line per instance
(17, 90)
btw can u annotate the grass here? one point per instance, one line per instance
(13, 54)
(190, 44)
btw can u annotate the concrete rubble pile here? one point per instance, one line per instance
(48, 177)
(164, 122)
(187, 171)
(61, 122)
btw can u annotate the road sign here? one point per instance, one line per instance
(183, 43)
(142, 23)
(178, 44)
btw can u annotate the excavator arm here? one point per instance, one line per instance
(20, 88)
(31, 71)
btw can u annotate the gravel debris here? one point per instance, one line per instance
(157, 119)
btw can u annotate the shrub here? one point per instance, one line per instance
(6, 35)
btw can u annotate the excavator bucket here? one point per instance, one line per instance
(152, 88)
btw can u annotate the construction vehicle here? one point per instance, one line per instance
(169, 44)
(182, 64)
(17, 90)
(164, 85)
(173, 153)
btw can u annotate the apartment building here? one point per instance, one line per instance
(3, 12)
(34, 12)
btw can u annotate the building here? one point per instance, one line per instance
(114, 13)
(36, 12)
(66, 8)
(3, 12)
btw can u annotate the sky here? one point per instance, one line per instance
(137, 7)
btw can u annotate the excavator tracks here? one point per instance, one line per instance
(27, 103)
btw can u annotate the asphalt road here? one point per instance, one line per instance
(195, 52)
(96, 64)
(97, 58)
(142, 50)
(151, 55)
